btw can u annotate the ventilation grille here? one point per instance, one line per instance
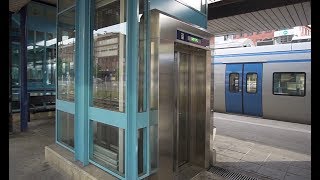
(229, 174)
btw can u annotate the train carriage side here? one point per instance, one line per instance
(267, 81)
(287, 85)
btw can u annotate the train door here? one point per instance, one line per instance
(244, 88)
(252, 89)
(234, 88)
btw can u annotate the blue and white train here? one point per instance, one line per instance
(271, 81)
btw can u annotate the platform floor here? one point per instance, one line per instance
(253, 146)
(26, 149)
(275, 149)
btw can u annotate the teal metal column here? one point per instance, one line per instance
(131, 167)
(82, 80)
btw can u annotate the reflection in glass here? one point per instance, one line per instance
(142, 64)
(15, 64)
(141, 151)
(64, 4)
(35, 56)
(292, 84)
(66, 55)
(196, 4)
(234, 82)
(108, 146)
(252, 81)
(66, 128)
(51, 58)
(108, 62)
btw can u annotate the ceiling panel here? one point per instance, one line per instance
(294, 15)
(275, 18)
(261, 19)
(280, 17)
(256, 21)
(16, 5)
(301, 13)
(249, 22)
(284, 11)
(307, 10)
(224, 24)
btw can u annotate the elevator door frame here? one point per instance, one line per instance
(193, 122)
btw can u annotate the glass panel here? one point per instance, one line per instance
(108, 62)
(141, 151)
(252, 81)
(66, 128)
(15, 72)
(51, 58)
(108, 146)
(66, 55)
(204, 6)
(234, 82)
(289, 83)
(15, 64)
(196, 4)
(35, 56)
(142, 53)
(64, 4)
(15, 26)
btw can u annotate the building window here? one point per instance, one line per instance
(234, 82)
(252, 81)
(289, 83)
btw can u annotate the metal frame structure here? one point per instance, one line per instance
(131, 121)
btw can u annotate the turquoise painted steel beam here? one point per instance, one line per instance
(65, 106)
(114, 118)
(82, 80)
(131, 147)
(180, 11)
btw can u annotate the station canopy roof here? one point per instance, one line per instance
(242, 16)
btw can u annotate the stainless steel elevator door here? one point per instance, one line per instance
(190, 95)
(184, 108)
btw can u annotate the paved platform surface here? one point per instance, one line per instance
(272, 149)
(26, 149)
(275, 149)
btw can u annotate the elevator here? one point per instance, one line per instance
(180, 84)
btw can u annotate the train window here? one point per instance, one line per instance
(252, 81)
(234, 82)
(289, 83)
